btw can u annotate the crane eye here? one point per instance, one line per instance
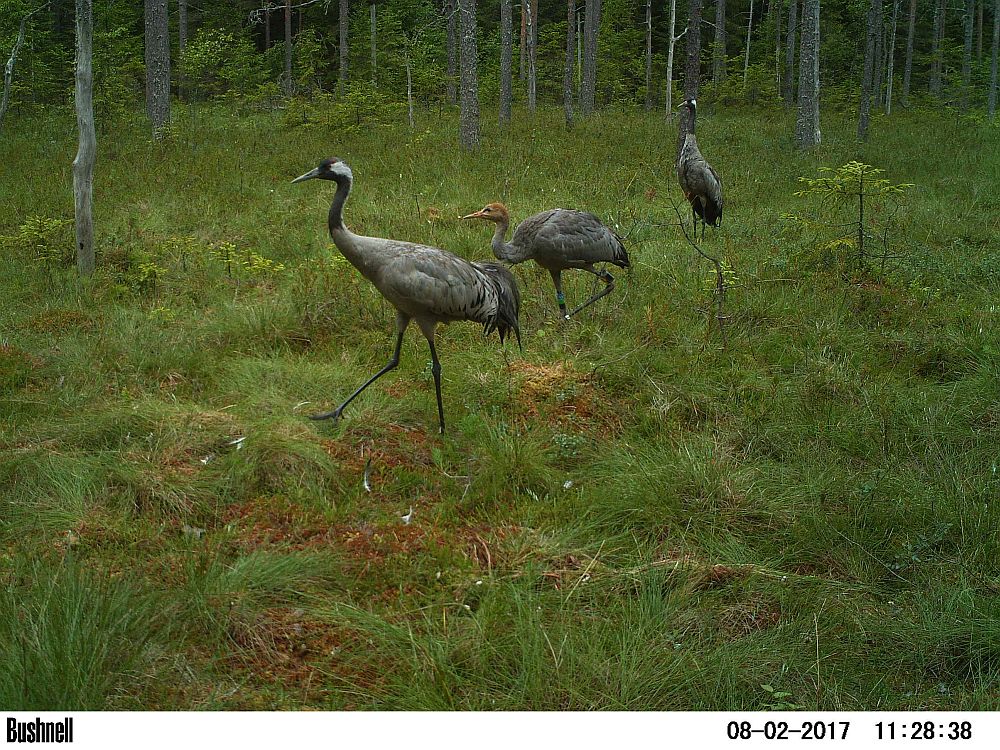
(487, 210)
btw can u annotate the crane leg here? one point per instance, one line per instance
(609, 285)
(560, 297)
(428, 329)
(401, 322)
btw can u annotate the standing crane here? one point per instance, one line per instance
(701, 184)
(557, 240)
(424, 284)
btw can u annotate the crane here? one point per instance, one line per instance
(425, 284)
(701, 184)
(557, 240)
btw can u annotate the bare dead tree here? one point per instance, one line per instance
(8, 71)
(83, 164)
(671, 43)
(720, 287)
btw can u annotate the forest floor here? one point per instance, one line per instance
(625, 515)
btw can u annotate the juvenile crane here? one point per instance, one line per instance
(424, 284)
(700, 183)
(557, 240)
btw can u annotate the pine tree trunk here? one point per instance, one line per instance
(157, 65)
(892, 56)
(532, 13)
(719, 51)
(671, 43)
(746, 59)
(83, 164)
(288, 47)
(869, 71)
(591, 29)
(469, 70)
(807, 133)
(568, 71)
(374, 36)
(935, 78)
(506, 59)
(649, 55)
(908, 67)
(452, 11)
(692, 70)
(788, 91)
(970, 13)
(991, 107)
(344, 24)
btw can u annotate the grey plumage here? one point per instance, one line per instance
(700, 182)
(558, 239)
(425, 284)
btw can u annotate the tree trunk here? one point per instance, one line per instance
(568, 71)
(719, 52)
(979, 30)
(692, 70)
(83, 164)
(344, 22)
(869, 71)
(671, 43)
(182, 35)
(879, 54)
(991, 107)
(788, 91)
(371, 13)
(892, 57)
(506, 60)
(746, 59)
(970, 12)
(935, 78)
(288, 47)
(469, 67)
(522, 71)
(532, 13)
(591, 32)
(649, 55)
(157, 65)
(774, 11)
(452, 11)
(908, 67)
(807, 133)
(8, 71)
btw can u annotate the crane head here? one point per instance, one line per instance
(328, 169)
(495, 212)
(689, 104)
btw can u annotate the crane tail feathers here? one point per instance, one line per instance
(508, 309)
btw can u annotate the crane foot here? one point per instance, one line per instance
(334, 415)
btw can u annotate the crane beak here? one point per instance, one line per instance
(307, 176)
(476, 215)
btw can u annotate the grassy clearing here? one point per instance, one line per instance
(624, 516)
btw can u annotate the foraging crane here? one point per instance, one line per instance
(700, 183)
(423, 283)
(557, 240)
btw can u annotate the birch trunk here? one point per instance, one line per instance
(807, 133)
(344, 24)
(746, 59)
(692, 69)
(452, 11)
(719, 52)
(568, 70)
(892, 57)
(83, 164)
(157, 65)
(469, 68)
(869, 72)
(788, 92)
(671, 43)
(506, 60)
(970, 12)
(908, 66)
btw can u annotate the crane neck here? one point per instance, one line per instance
(336, 216)
(505, 251)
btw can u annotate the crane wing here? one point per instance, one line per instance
(570, 238)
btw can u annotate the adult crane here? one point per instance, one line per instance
(424, 284)
(558, 239)
(701, 184)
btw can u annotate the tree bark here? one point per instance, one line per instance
(8, 71)
(532, 13)
(869, 71)
(746, 59)
(83, 164)
(506, 60)
(908, 66)
(568, 70)
(879, 54)
(719, 52)
(892, 56)
(671, 43)
(371, 13)
(344, 24)
(991, 106)
(182, 35)
(935, 78)
(970, 12)
(288, 47)
(979, 30)
(807, 133)
(649, 55)
(692, 71)
(788, 91)
(591, 30)
(157, 65)
(522, 71)
(774, 12)
(469, 67)
(452, 11)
